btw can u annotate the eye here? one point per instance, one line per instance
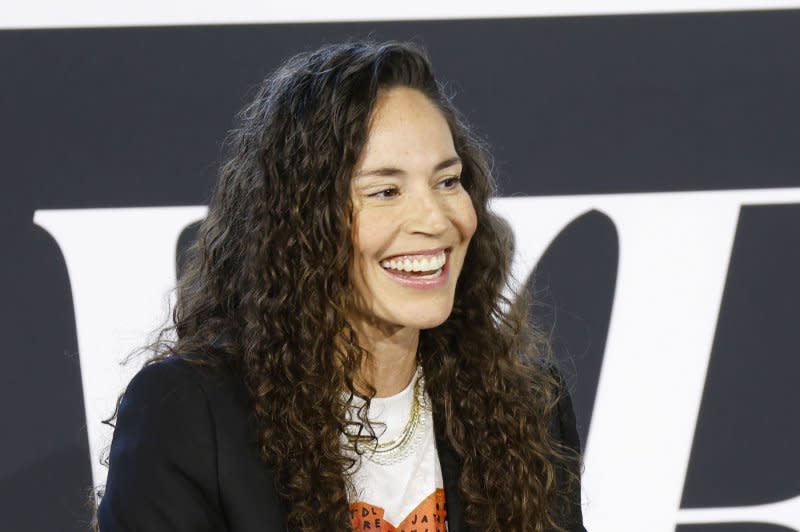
(385, 193)
(450, 182)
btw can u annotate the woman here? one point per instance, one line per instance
(344, 356)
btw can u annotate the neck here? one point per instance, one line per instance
(392, 361)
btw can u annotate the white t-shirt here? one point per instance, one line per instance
(400, 491)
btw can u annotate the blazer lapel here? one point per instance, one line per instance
(451, 471)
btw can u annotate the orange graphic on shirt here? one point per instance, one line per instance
(428, 516)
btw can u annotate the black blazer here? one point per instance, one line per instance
(183, 459)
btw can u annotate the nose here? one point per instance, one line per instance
(426, 214)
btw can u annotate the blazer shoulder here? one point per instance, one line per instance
(164, 441)
(178, 377)
(563, 427)
(163, 380)
(562, 419)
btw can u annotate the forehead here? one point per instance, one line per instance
(406, 129)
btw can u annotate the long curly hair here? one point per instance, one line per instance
(267, 283)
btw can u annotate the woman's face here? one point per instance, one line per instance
(412, 218)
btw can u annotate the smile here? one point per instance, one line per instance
(422, 270)
(416, 263)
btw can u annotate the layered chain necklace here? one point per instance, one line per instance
(397, 449)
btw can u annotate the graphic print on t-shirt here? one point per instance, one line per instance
(429, 516)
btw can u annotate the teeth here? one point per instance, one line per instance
(416, 263)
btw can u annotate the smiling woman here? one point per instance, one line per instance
(345, 357)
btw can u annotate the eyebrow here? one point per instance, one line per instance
(388, 171)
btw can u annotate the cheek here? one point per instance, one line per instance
(368, 237)
(358, 235)
(467, 218)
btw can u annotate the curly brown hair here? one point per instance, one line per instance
(267, 285)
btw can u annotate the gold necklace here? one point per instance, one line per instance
(397, 449)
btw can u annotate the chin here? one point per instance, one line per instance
(426, 324)
(432, 325)
(428, 320)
